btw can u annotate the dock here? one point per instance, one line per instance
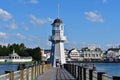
(67, 72)
(56, 74)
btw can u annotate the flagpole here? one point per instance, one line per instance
(58, 10)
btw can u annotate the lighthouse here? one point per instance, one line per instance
(57, 38)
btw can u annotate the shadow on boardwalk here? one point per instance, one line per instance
(56, 74)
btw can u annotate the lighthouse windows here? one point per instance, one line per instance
(58, 27)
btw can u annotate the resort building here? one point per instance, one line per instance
(74, 55)
(91, 53)
(113, 54)
(14, 57)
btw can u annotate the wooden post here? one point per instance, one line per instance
(91, 74)
(39, 69)
(42, 68)
(84, 73)
(34, 71)
(22, 74)
(27, 73)
(75, 70)
(78, 78)
(31, 72)
(116, 77)
(99, 75)
(81, 73)
(11, 75)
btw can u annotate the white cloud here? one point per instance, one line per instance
(34, 1)
(3, 35)
(13, 26)
(94, 17)
(72, 44)
(104, 1)
(20, 36)
(4, 15)
(50, 19)
(26, 28)
(37, 21)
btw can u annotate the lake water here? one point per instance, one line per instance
(7, 67)
(112, 69)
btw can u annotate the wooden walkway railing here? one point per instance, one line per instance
(81, 72)
(29, 73)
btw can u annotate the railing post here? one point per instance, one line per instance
(73, 70)
(37, 70)
(31, 72)
(116, 77)
(84, 73)
(91, 74)
(70, 68)
(40, 69)
(81, 73)
(11, 75)
(34, 72)
(27, 73)
(100, 75)
(22, 74)
(78, 77)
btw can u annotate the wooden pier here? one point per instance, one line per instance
(68, 72)
(56, 74)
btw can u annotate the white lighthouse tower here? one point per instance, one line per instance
(57, 39)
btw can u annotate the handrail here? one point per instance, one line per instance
(81, 72)
(29, 73)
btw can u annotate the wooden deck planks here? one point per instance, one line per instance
(56, 74)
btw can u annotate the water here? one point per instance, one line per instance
(7, 67)
(112, 69)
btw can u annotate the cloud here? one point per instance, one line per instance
(34, 1)
(3, 35)
(4, 15)
(26, 28)
(20, 36)
(72, 44)
(50, 19)
(12, 26)
(93, 16)
(104, 1)
(37, 21)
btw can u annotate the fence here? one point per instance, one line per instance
(81, 72)
(29, 73)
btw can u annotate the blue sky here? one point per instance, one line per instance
(87, 22)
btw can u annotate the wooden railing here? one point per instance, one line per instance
(81, 72)
(29, 73)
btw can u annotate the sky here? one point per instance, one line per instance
(86, 22)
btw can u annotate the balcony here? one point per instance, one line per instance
(57, 38)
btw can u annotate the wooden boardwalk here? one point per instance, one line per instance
(56, 74)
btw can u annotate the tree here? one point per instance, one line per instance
(21, 50)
